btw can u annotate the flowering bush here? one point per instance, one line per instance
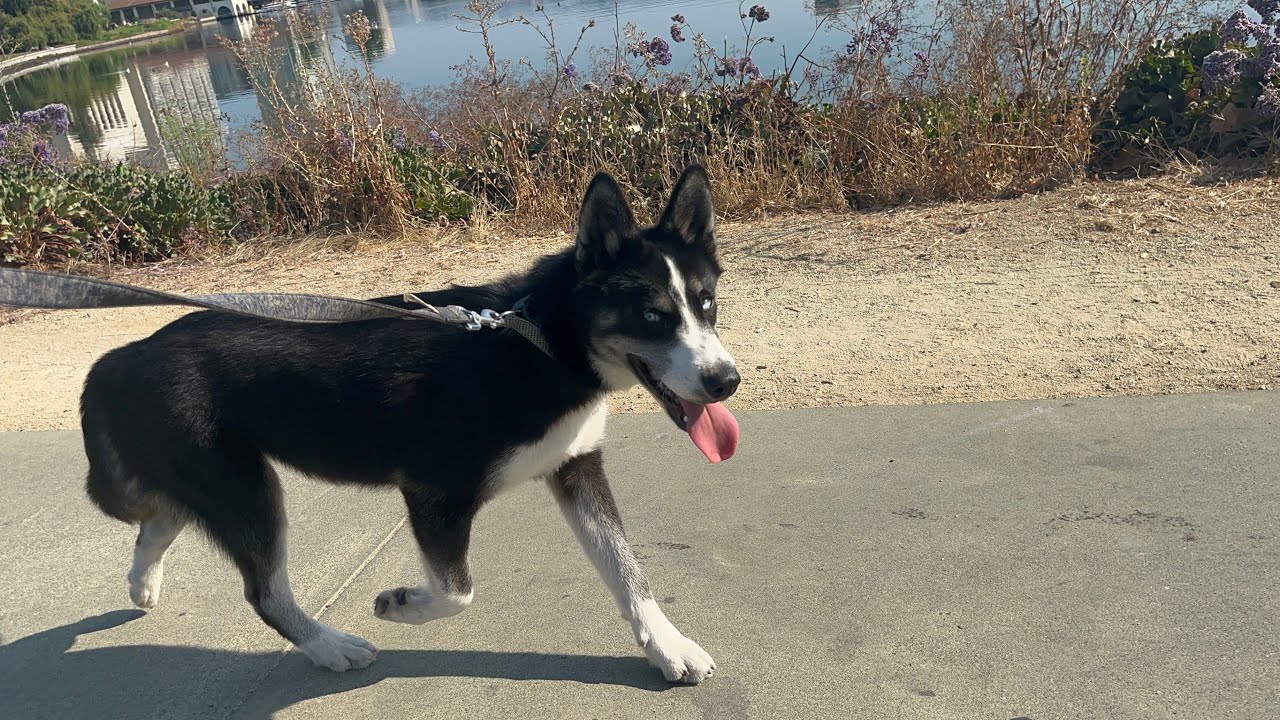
(25, 142)
(1248, 51)
(52, 211)
(1211, 93)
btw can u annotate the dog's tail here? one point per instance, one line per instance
(110, 484)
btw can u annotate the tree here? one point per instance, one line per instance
(35, 24)
(89, 20)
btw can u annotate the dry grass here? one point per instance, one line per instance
(986, 102)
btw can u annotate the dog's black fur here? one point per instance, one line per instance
(184, 422)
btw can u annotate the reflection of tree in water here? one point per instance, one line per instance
(827, 8)
(300, 57)
(381, 38)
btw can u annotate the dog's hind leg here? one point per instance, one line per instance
(442, 527)
(246, 517)
(583, 492)
(154, 538)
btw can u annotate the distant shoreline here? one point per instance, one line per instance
(14, 68)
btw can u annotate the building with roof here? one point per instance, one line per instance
(127, 11)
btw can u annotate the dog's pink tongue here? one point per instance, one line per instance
(713, 429)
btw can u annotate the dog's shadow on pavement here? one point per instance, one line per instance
(41, 676)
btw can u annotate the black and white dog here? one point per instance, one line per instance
(180, 427)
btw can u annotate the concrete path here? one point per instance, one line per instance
(1091, 559)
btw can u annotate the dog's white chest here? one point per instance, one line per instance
(575, 434)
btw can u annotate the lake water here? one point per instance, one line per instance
(118, 98)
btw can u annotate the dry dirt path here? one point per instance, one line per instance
(1121, 288)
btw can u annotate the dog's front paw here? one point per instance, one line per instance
(679, 658)
(144, 585)
(339, 651)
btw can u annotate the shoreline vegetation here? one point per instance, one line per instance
(15, 66)
(983, 103)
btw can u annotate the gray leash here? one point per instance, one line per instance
(56, 291)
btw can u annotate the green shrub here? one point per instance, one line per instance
(1205, 92)
(144, 215)
(431, 188)
(41, 217)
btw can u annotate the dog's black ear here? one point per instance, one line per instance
(604, 222)
(690, 211)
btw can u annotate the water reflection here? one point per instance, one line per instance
(120, 100)
(117, 98)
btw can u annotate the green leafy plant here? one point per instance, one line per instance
(432, 188)
(41, 217)
(1207, 93)
(1159, 102)
(144, 215)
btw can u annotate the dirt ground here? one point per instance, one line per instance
(1115, 288)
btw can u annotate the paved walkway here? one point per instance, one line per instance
(1091, 559)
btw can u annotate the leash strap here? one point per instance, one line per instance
(57, 291)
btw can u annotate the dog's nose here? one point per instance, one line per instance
(721, 382)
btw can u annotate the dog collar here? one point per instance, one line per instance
(517, 319)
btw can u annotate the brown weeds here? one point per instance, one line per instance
(988, 101)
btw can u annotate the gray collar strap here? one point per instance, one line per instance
(57, 291)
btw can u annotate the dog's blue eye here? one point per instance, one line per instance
(651, 316)
(707, 303)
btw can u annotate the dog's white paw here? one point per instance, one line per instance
(415, 605)
(679, 658)
(144, 584)
(339, 651)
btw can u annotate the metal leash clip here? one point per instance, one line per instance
(484, 319)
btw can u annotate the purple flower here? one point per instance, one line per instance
(1221, 69)
(398, 142)
(748, 68)
(677, 18)
(1268, 9)
(570, 71)
(1268, 105)
(55, 114)
(1266, 65)
(43, 153)
(434, 138)
(727, 66)
(879, 39)
(677, 35)
(660, 51)
(1239, 29)
(348, 145)
(920, 69)
(758, 13)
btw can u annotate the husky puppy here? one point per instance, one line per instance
(182, 427)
